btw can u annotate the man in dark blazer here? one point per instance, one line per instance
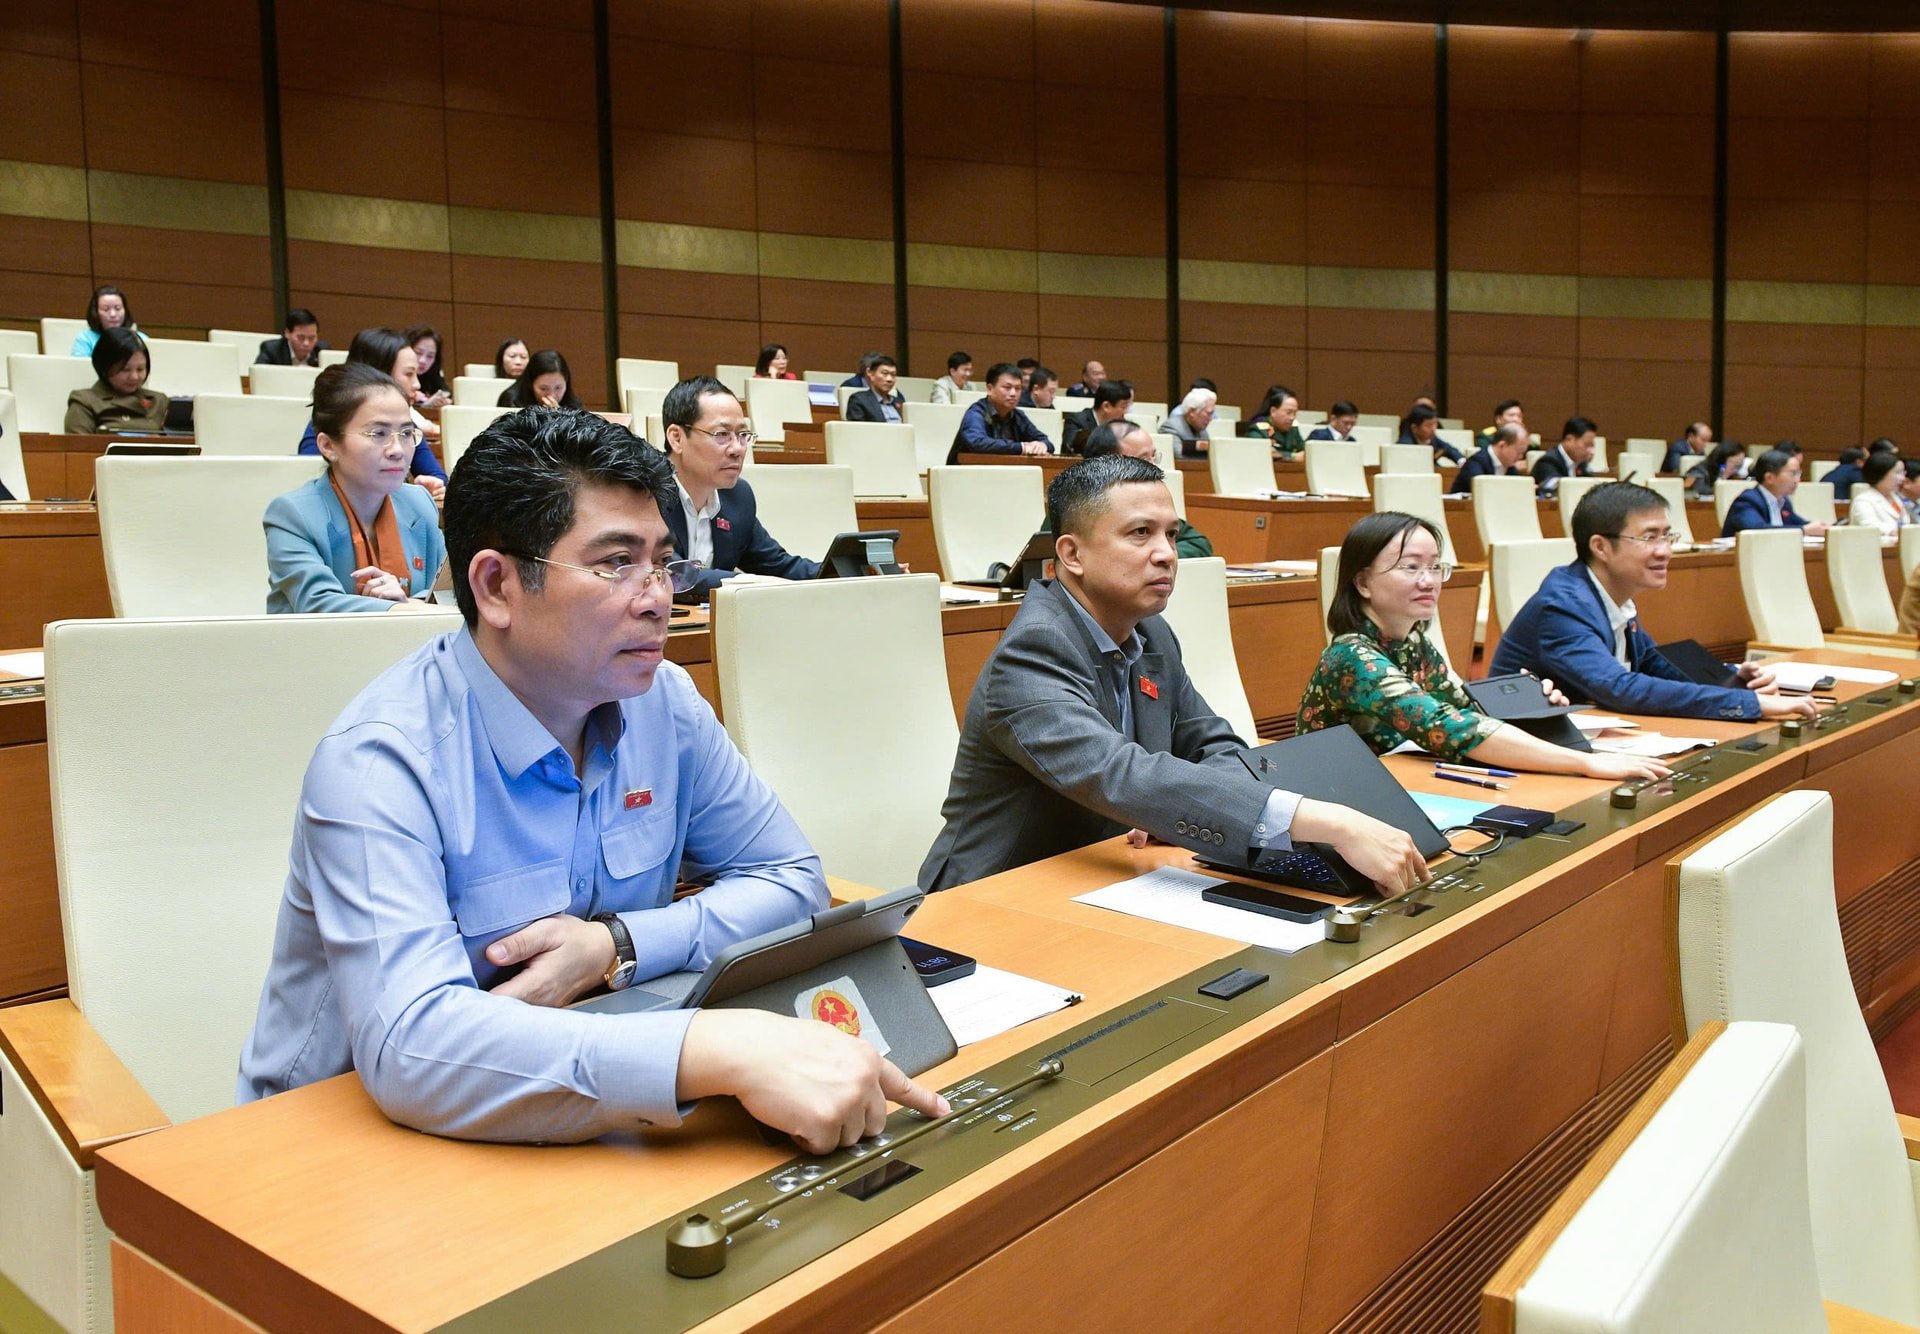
(1500, 458)
(995, 424)
(300, 345)
(878, 402)
(1111, 401)
(715, 522)
(1568, 459)
(1581, 630)
(1084, 724)
(1769, 504)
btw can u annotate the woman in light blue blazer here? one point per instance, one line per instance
(359, 538)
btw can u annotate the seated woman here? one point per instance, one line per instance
(547, 382)
(117, 401)
(387, 351)
(772, 363)
(1727, 463)
(1879, 506)
(1422, 427)
(107, 309)
(511, 360)
(430, 366)
(1383, 675)
(359, 538)
(1188, 422)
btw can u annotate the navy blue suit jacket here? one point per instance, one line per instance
(1441, 449)
(1482, 463)
(739, 541)
(1563, 634)
(1749, 510)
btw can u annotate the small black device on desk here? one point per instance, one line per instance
(1521, 700)
(1030, 565)
(1267, 902)
(936, 965)
(854, 555)
(1697, 664)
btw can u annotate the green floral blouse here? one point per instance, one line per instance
(1393, 692)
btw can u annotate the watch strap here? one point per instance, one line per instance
(624, 959)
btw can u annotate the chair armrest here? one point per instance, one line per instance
(90, 1098)
(1910, 1131)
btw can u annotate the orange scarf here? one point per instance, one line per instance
(382, 547)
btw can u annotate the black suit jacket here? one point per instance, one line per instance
(1075, 427)
(1481, 464)
(739, 541)
(1549, 470)
(865, 407)
(277, 352)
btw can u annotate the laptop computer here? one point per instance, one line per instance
(1336, 765)
(1697, 664)
(1518, 699)
(845, 966)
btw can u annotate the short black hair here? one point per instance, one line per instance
(378, 348)
(1505, 404)
(873, 361)
(1373, 534)
(1079, 494)
(1577, 426)
(340, 390)
(1852, 454)
(547, 361)
(298, 316)
(681, 406)
(513, 490)
(1027, 364)
(1105, 438)
(1789, 447)
(1041, 375)
(93, 307)
(1112, 392)
(1693, 430)
(1420, 413)
(1878, 465)
(1604, 511)
(116, 348)
(1342, 408)
(1769, 463)
(1913, 469)
(955, 360)
(1883, 446)
(998, 369)
(1201, 382)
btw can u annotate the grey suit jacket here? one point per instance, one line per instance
(1043, 767)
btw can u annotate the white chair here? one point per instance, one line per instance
(735, 378)
(57, 334)
(1504, 510)
(16, 342)
(1197, 611)
(1227, 412)
(1820, 468)
(843, 392)
(13, 465)
(1404, 459)
(1051, 422)
(1329, 574)
(1147, 415)
(1308, 417)
(1758, 938)
(1723, 494)
(168, 935)
(1460, 438)
(825, 377)
(1693, 1216)
(1166, 453)
(1652, 452)
(1813, 501)
(332, 356)
(1374, 435)
(984, 516)
(805, 506)
(459, 425)
(639, 373)
(882, 456)
(935, 425)
(1533, 456)
(1673, 490)
(1385, 421)
(245, 345)
(1177, 488)
(1242, 466)
(483, 369)
(774, 403)
(1598, 463)
(1416, 494)
(182, 367)
(248, 424)
(183, 536)
(479, 391)
(1569, 492)
(1858, 577)
(285, 381)
(1333, 468)
(1773, 579)
(914, 388)
(643, 402)
(857, 734)
(1517, 569)
(40, 387)
(1909, 545)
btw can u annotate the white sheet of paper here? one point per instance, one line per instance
(1172, 896)
(955, 593)
(1649, 745)
(1802, 675)
(31, 666)
(1600, 722)
(989, 1001)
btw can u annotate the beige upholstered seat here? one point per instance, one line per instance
(643, 402)
(1147, 416)
(1227, 412)
(914, 388)
(630, 373)
(183, 536)
(1242, 466)
(984, 516)
(1404, 458)
(1519, 567)
(1333, 468)
(483, 369)
(459, 425)
(1460, 438)
(16, 342)
(183, 366)
(285, 381)
(1723, 494)
(1050, 422)
(1568, 493)
(1813, 501)
(857, 735)
(1197, 611)
(825, 377)
(805, 505)
(1505, 511)
(57, 334)
(245, 345)
(40, 386)
(1166, 452)
(1372, 435)
(734, 377)
(934, 427)
(13, 466)
(1773, 578)
(1693, 1218)
(1177, 488)
(248, 424)
(1417, 495)
(1673, 490)
(1858, 577)
(1909, 547)
(332, 356)
(1329, 572)
(773, 404)
(478, 391)
(881, 455)
(1758, 938)
(1819, 469)
(172, 814)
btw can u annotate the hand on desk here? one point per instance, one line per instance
(1616, 768)
(1775, 705)
(825, 1088)
(1755, 677)
(565, 957)
(1380, 852)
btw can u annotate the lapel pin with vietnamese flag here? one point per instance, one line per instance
(723, 525)
(1149, 689)
(640, 796)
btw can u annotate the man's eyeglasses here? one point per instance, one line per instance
(725, 438)
(1438, 573)
(682, 576)
(408, 436)
(1666, 539)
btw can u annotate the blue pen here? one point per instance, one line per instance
(1474, 770)
(1471, 782)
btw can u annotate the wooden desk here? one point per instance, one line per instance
(1360, 1157)
(1248, 529)
(1196, 478)
(33, 963)
(50, 567)
(60, 465)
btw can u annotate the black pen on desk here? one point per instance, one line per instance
(1471, 782)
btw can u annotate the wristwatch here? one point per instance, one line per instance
(620, 976)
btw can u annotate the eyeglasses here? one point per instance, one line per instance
(1438, 573)
(408, 436)
(1665, 539)
(632, 580)
(725, 438)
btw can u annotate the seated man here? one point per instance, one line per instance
(1568, 459)
(1698, 439)
(1342, 417)
(858, 379)
(1112, 401)
(995, 424)
(1500, 457)
(1083, 722)
(959, 374)
(1132, 439)
(1189, 420)
(1507, 412)
(1092, 376)
(1043, 386)
(497, 824)
(1582, 631)
(715, 524)
(1845, 477)
(300, 345)
(1768, 504)
(1423, 428)
(878, 402)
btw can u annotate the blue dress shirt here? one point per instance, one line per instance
(439, 815)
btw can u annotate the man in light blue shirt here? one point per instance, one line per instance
(497, 826)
